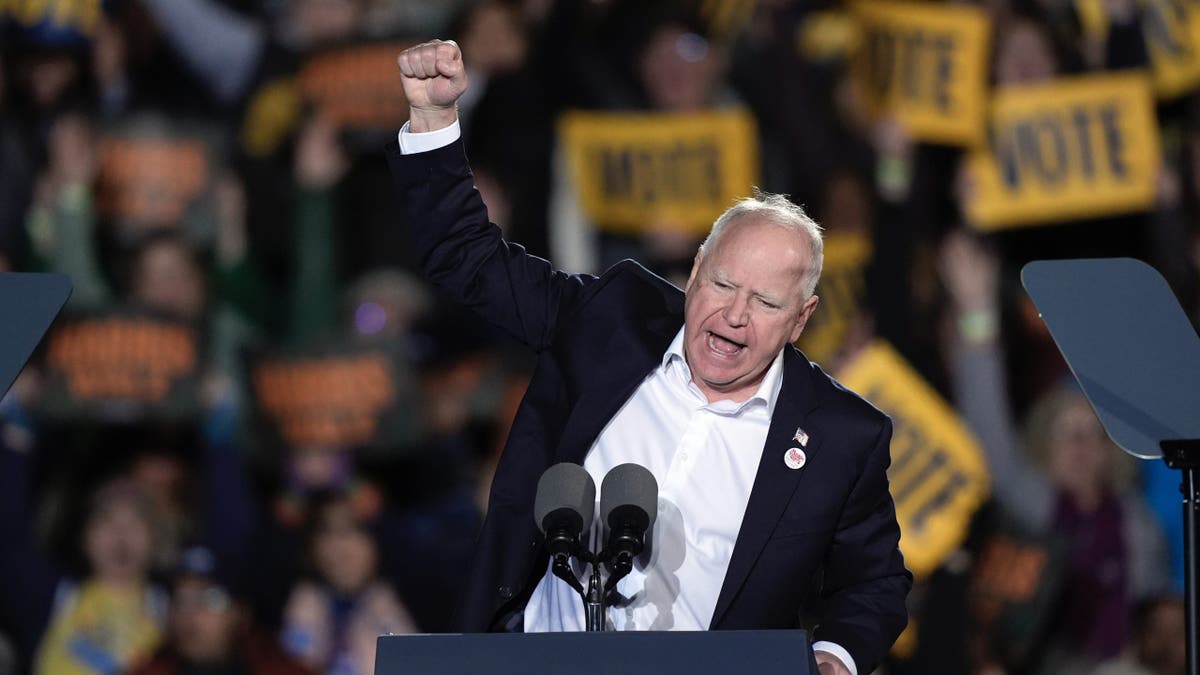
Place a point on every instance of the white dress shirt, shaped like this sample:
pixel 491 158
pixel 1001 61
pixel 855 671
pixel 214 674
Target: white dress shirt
pixel 703 455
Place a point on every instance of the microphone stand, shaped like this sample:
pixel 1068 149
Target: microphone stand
pixel 617 557
pixel 593 601
pixel 593 598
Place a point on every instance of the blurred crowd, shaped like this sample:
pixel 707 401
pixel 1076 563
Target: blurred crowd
pixel 212 171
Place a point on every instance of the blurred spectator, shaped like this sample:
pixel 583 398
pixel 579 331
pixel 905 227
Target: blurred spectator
pixel 1159 645
pixel 102 621
pixel 1024 53
pixel 62 221
pixel 167 276
pixel 209 631
pixel 1081 491
pixel 383 305
pixel 333 618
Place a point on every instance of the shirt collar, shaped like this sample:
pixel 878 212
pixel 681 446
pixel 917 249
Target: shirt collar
pixel 768 389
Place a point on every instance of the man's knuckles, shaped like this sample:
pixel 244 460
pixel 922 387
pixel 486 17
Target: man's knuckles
pixel 431 59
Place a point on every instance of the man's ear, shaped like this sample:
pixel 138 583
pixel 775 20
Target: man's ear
pixel 806 310
pixel 695 267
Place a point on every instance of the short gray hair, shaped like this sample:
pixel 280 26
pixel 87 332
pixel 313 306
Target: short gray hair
pixel 778 209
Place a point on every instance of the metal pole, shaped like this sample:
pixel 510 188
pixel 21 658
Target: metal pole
pixel 1191 506
pixel 593 602
pixel 1185 456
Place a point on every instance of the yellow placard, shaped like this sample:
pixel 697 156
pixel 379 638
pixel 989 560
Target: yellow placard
pixel 926 65
pixel 841 290
pixel 78 16
pixel 938 475
pixel 1172 32
pixel 1066 149
pixel 637 171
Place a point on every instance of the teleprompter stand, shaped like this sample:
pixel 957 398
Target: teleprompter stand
pixel 28 305
pixel 763 652
pixel 1137 358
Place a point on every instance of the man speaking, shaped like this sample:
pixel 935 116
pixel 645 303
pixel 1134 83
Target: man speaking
pixel 773 498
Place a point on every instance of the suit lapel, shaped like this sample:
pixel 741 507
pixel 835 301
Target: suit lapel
pixel 774 483
pixel 613 386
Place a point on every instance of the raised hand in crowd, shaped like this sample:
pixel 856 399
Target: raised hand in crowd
pixel 72 157
pixel 971 274
pixel 320 160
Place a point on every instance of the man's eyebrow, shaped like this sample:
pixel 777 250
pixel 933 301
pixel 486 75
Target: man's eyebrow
pixel 720 275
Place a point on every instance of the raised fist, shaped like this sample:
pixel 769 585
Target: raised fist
pixel 434 77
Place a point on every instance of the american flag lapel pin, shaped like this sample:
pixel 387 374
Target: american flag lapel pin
pixel 801 437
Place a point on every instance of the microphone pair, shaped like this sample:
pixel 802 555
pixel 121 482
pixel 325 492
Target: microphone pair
pixel 565 505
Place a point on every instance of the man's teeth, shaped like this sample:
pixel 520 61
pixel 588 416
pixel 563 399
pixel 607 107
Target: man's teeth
pixel 722 345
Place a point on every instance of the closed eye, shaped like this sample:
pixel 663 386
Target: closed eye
pixel 768 304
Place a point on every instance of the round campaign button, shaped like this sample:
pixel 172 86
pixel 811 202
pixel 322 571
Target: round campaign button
pixel 794 458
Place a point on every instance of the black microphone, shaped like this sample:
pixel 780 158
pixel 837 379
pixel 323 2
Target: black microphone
pixel 628 504
pixel 563 507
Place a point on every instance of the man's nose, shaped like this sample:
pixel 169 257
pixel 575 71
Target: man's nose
pixel 737 311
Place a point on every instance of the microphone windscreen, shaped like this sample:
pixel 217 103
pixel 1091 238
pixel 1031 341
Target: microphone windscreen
pixel 565 486
pixel 629 485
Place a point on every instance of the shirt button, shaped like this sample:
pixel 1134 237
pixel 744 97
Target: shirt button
pixel 505 592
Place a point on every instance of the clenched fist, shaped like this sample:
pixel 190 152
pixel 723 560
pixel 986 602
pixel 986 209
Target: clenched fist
pixel 434 78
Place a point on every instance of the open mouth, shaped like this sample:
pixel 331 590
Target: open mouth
pixel 723 345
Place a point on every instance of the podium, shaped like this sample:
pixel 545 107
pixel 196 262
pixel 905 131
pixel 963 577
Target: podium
pixel 28 305
pixel 763 652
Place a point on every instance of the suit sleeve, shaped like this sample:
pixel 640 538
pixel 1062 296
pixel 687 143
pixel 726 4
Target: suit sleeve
pixel 465 255
pixel 865 581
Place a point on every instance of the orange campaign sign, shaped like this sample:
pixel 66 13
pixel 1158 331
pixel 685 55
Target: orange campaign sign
pixel 357 86
pixel 122 358
pixel 121 364
pixel 151 180
pixel 334 401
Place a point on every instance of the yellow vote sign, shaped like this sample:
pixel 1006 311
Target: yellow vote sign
pixel 634 171
pixel 1066 149
pixel 938 474
pixel 841 290
pixel 1172 32
pixel 925 64
pixel 80 16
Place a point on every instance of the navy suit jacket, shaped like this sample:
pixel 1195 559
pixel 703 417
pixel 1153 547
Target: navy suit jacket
pixel 819 541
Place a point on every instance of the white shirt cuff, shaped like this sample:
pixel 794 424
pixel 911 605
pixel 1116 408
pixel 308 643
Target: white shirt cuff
pixel 412 143
pixel 836 650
